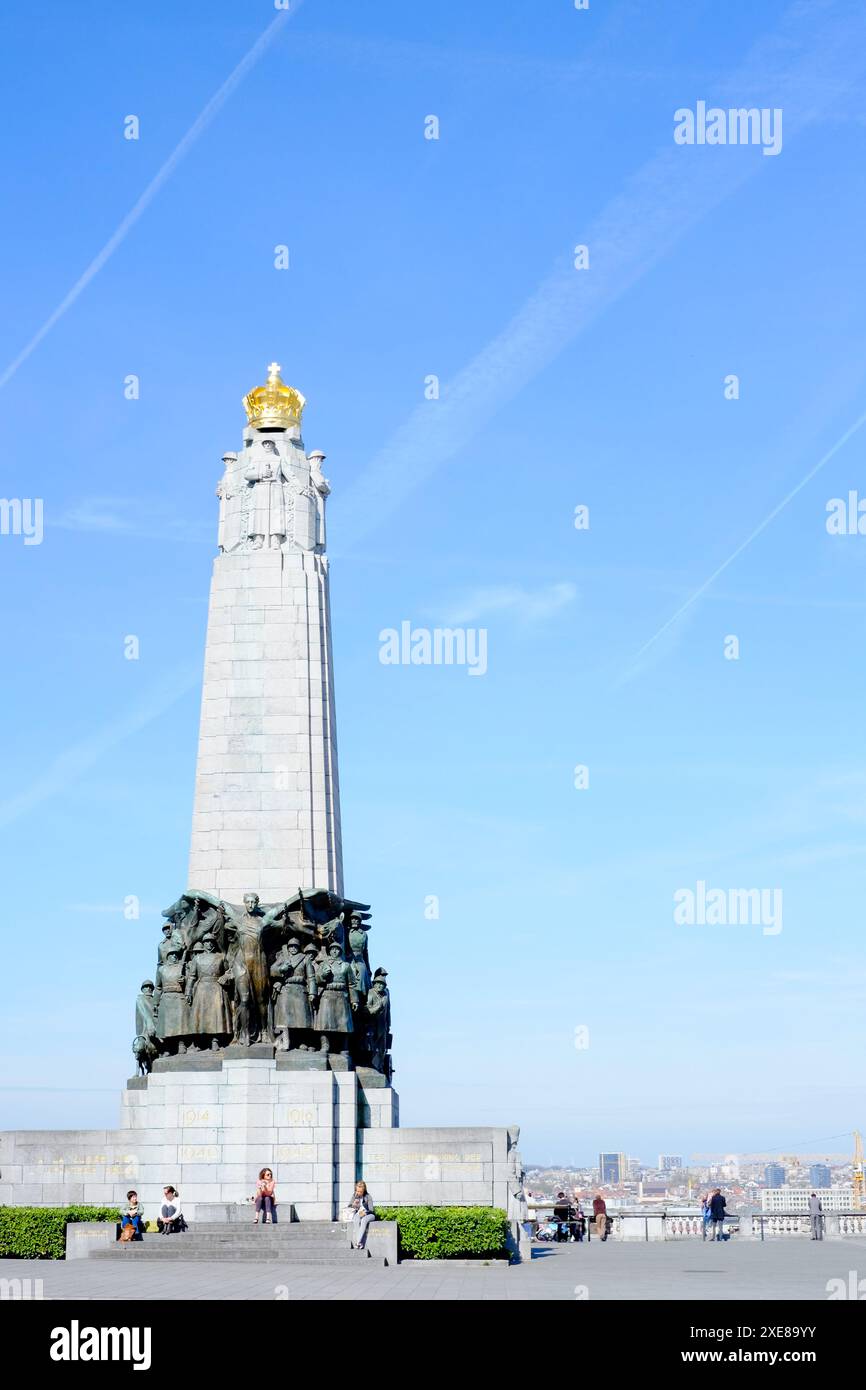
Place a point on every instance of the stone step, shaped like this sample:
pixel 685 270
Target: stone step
pixel 293 1242
pixel 171 1252
pixel 322 1228
pixel 285 1248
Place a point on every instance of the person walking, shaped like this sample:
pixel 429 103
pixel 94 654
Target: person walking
pixel 599 1215
pixel 362 1212
pixel 266 1198
pixel 816 1216
pixel 717 1214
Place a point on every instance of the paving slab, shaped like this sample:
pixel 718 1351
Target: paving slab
pixel 781 1269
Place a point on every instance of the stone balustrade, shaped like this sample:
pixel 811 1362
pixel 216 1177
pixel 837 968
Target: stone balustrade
pixel 660 1224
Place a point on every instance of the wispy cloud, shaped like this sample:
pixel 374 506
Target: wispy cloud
pixel 667 197
pixel 81 756
pixel 106 909
pixel 199 125
pixel 677 617
pixel 526 606
pixel 132 516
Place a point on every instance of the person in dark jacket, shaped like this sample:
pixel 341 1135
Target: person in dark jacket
pixel 717 1214
pixel 816 1216
pixel 564 1215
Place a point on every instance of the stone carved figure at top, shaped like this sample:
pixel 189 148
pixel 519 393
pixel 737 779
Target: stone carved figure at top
pixel 231 491
pixel 272 496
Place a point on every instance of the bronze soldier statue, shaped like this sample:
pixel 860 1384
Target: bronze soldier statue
pixel 337 1002
pixel 145 1047
pixel 207 994
pixel 294 995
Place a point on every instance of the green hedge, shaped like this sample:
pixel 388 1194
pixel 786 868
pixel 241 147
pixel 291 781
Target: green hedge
pixel 39 1233
pixel 443 1233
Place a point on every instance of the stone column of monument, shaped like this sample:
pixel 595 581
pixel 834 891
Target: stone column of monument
pixel 266 817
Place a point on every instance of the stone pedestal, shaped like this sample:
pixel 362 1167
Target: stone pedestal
pixel 210 1133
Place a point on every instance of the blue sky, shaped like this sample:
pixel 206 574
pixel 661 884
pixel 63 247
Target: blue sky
pixel 604 387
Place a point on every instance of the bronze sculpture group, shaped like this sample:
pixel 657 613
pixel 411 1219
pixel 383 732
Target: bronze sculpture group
pixel 294 975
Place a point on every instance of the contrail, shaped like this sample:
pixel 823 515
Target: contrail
pixel 762 526
pixel 82 755
pixel 806 67
pixel 199 125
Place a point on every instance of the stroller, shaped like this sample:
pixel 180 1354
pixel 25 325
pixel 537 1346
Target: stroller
pixel 562 1226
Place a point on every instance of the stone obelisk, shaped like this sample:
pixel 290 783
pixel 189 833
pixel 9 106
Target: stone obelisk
pixel 266 817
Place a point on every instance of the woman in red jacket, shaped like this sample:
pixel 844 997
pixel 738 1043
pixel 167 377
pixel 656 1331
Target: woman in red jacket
pixel 599 1212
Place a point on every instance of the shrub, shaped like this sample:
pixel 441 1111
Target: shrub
pixel 39 1233
pixel 443 1233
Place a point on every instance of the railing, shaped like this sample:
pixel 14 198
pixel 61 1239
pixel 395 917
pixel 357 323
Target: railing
pixel 653 1224
pixel 835 1225
pixel 659 1224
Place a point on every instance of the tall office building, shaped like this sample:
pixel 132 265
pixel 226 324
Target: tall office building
pixel 774 1175
pixel 612 1168
pixel 819 1175
pixel 669 1163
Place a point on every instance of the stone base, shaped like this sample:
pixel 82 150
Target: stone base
pixel 188 1062
pixel 246 1052
pixel 337 1062
pixel 209 1133
pixel 302 1061
pixel 370 1080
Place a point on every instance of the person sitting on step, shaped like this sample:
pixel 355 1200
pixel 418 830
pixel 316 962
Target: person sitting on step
pixel 266 1197
pixel 170 1219
pixel 362 1213
pixel 133 1216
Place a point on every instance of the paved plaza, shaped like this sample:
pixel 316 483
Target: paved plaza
pixel 674 1270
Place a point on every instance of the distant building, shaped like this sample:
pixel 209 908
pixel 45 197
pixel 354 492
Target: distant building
pixel 775 1199
pixel 774 1175
pixel 612 1168
pixel 819 1175
pixel 668 1163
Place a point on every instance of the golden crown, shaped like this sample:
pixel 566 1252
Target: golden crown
pixel 274 405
